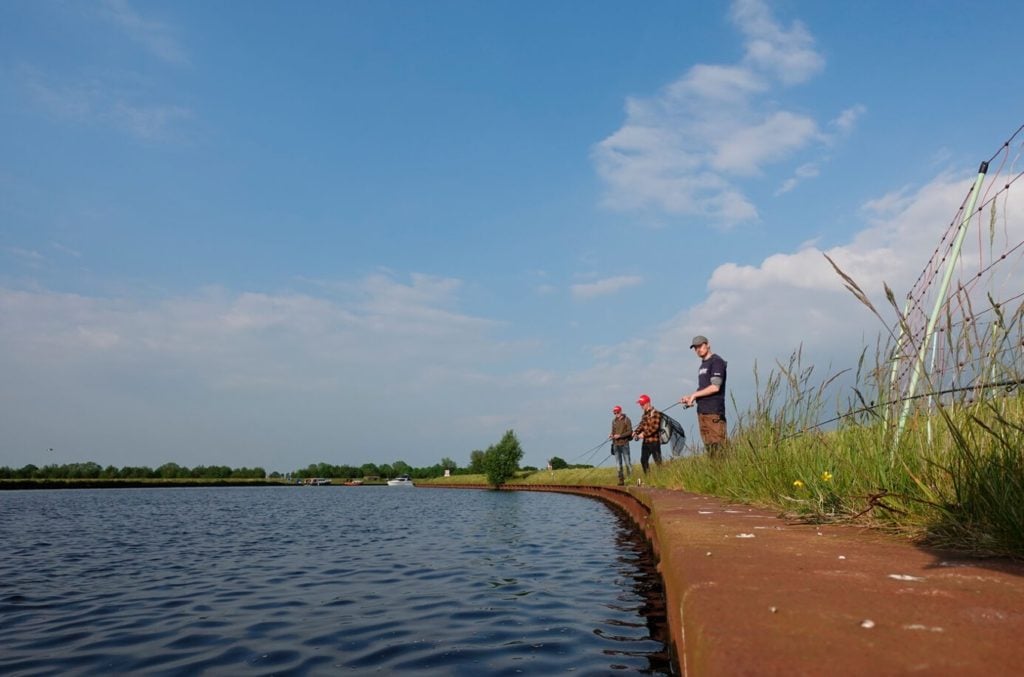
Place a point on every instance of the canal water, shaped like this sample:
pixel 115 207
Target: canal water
pixel 324 580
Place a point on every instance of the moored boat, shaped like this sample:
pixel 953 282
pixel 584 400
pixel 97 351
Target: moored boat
pixel 401 481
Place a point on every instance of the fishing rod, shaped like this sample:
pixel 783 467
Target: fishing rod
pixel 1010 385
pixel 593 450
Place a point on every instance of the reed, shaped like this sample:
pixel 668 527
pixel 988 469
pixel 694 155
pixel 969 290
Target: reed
pixel 954 476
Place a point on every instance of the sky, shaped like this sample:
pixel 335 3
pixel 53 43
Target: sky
pixel 274 234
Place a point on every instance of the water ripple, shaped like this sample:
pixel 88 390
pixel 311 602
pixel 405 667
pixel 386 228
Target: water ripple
pixel 297 581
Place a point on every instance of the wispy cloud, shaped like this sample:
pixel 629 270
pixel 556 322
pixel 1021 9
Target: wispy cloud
pixel 803 172
pixel 64 249
pixel 605 287
pixel 847 120
pixel 29 256
pixel 686 150
pixel 155 36
pixel 95 102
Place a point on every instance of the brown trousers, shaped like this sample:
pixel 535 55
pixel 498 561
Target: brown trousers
pixel 713 432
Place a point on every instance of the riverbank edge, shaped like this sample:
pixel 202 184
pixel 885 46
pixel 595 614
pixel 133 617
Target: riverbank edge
pixel 749 593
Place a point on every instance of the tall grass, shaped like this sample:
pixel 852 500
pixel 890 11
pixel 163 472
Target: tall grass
pixel 953 477
pixel 960 486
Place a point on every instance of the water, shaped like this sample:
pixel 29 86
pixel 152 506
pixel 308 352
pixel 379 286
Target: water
pixel 323 580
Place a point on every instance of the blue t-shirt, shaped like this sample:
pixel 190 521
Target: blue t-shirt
pixel 711 368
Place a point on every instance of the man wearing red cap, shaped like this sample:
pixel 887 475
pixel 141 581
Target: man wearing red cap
pixel 622 430
pixel 649 431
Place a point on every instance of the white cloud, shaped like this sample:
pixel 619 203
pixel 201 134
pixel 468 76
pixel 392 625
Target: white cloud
pixel 605 287
pixel 806 171
pixel 847 120
pixel 787 53
pixel 686 150
pixel 182 377
pixel 765 311
pixel 770 140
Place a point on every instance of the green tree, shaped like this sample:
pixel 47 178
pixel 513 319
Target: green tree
pixel 170 471
pixel 476 462
pixel 89 469
pixel 502 459
pixel 557 463
pixel 449 464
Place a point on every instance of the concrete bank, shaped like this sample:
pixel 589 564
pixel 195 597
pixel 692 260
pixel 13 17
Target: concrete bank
pixel 751 594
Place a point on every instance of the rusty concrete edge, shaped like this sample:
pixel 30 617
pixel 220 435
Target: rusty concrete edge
pixel 634 503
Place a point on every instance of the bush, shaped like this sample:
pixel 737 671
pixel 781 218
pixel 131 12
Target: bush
pixel 501 461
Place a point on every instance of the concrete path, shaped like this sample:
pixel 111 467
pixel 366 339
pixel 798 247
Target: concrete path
pixel 750 594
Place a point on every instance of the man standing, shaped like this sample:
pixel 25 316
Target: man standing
pixel 622 430
pixel 649 431
pixel 710 398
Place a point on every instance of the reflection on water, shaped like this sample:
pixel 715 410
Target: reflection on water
pixel 316 580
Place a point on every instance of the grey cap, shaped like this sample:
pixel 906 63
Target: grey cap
pixel 699 340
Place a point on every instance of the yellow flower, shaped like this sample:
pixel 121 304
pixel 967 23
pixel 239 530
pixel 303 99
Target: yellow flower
pixel 798 484
pixel 826 476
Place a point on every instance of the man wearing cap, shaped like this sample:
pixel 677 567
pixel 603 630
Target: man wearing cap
pixel 649 431
pixel 622 430
pixel 710 397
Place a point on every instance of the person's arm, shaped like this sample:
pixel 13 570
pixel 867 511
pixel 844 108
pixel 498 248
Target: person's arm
pixel 711 389
pixel 641 430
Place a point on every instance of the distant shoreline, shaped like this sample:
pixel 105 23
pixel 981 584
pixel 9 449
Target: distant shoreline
pixel 137 484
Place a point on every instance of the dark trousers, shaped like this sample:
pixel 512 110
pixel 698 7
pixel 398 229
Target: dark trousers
pixel 648 450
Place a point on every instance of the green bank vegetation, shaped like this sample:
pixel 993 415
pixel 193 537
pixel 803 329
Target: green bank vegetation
pixel 954 478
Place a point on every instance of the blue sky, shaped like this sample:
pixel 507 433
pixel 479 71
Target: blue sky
pixel 282 233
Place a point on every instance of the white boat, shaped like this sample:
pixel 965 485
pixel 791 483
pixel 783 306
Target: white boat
pixel 401 481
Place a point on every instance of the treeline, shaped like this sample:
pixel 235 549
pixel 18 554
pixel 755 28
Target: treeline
pixel 384 470
pixel 498 462
pixel 167 471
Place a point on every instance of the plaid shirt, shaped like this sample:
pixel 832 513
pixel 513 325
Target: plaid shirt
pixel 650 424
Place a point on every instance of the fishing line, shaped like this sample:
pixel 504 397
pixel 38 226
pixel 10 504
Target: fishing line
pixel 1009 385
